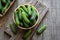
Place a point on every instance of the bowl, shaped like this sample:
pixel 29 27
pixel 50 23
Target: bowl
pixel 28 27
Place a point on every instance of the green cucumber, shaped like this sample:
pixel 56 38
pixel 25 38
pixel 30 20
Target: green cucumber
pixel 33 15
pixel 25 18
pixel 34 21
pixel 1 7
pixel 4 1
pixel 24 8
pixel 36 13
pixel 12 26
pixel 41 29
pixel 16 18
pixel 8 1
pixel 19 14
pixel 25 24
pixel 6 6
pixel 29 10
pixel 26 34
pixel 21 24
pixel 23 11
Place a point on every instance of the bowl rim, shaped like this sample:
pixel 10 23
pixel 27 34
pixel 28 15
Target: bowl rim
pixel 28 27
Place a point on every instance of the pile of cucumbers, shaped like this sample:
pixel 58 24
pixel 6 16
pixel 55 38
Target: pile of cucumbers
pixel 4 5
pixel 25 16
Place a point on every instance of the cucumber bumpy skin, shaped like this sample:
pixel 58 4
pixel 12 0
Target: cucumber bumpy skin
pixel 26 34
pixel 1 7
pixel 33 14
pixel 25 18
pixel 29 10
pixel 41 29
pixel 19 14
pixel 12 26
pixel 4 1
pixel 16 18
pixel 34 21
pixel 24 8
pixel 25 24
pixel 8 1
pixel 6 6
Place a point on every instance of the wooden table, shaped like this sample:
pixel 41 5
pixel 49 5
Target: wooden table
pixel 51 20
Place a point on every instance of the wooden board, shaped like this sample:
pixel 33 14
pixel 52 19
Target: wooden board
pixel 42 9
pixel 8 8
